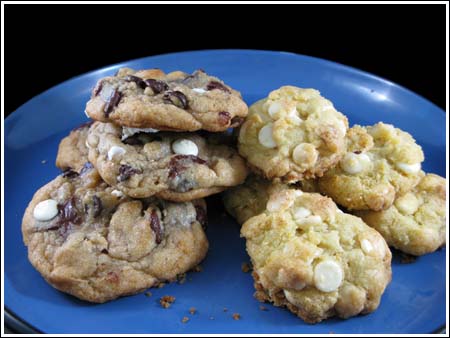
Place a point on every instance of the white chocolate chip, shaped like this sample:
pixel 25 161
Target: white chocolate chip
pixel 114 151
pixel 305 154
pixel 342 127
pixel 339 211
pixel 328 276
pixel 199 90
pixel 184 147
pixel 45 210
pixel 407 204
pixel 128 132
pixel 86 143
pixel 300 213
pixel 409 168
pixel 281 200
pixel 265 137
pixel 366 246
pixel 354 163
pixel 117 193
pixel 274 108
pixel 312 220
pixel 289 296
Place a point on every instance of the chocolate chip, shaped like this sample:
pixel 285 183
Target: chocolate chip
pixel 68 213
pixel 69 173
pixel 178 163
pixel 84 125
pixel 201 216
pixel 133 140
pixel 98 88
pixel 126 171
pixel 357 152
pixel 224 117
pixel 217 85
pixel 104 251
pixel 176 98
pixel 156 86
pixel 86 167
pixel 97 206
pixel 111 97
pixel 236 121
pixel 156 226
pixel 136 79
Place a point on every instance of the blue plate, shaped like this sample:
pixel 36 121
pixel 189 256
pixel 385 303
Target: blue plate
pixel 413 303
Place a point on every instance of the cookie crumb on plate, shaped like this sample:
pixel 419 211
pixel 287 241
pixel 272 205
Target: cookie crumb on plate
pixel 192 310
pixel 185 319
pixel 236 316
pixel 166 301
pixel 246 267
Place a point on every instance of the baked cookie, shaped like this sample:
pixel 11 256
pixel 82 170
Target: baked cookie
pixel 72 151
pixel 315 260
pixel 173 166
pixel 89 240
pixel 415 223
pixel 176 101
pixel 381 162
pixel 294 134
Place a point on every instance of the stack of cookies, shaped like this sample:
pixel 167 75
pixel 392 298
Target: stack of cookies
pixel 127 211
pixel 308 255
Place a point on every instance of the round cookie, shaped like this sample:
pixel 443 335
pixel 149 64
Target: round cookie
pixel 173 166
pixel 250 198
pixel 415 223
pixel 293 134
pixel 381 163
pixel 176 101
pixel 314 259
pixel 72 150
pixel 89 240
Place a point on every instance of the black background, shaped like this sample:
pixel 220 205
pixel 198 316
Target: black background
pixel 47 44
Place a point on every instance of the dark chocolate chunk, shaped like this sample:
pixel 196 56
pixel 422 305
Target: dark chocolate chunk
pixel 357 152
pixel 224 117
pixel 202 218
pixel 156 86
pixel 140 82
pixel 69 173
pixel 217 85
pixel 176 98
pixel 236 121
pixel 178 163
pixel 68 213
pixel 98 88
pixel 111 96
pixel 126 171
pixel 104 251
pixel 155 224
pixel 97 205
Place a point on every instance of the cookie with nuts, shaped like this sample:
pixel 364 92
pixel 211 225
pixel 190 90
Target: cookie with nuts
pixel 173 166
pixel 89 240
pixel 293 134
pixel 315 260
pixel 381 162
pixel 415 223
pixel 176 101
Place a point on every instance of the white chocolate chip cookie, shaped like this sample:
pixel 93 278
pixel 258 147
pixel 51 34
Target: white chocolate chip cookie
pixel 415 223
pixel 315 260
pixel 293 134
pixel 381 163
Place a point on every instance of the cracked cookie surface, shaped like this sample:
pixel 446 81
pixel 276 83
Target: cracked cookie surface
pixel 173 166
pixel 415 223
pixel 315 260
pixel 381 162
pixel 89 240
pixel 293 134
pixel 176 101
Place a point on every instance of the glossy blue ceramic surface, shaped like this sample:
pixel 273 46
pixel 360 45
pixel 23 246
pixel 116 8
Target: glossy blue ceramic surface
pixel 413 303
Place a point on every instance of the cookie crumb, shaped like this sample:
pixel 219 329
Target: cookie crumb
pixel 185 320
pixel 407 259
pixel 197 268
pixel 44 161
pixel 236 316
pixel 225 309
pixel 192 310
pixel 263 308
pixel 148 294
pixel 161 285
pixel 181 278
pixel 246 267
pixel 166 301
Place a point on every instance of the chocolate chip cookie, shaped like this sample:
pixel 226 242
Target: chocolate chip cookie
pixel 415 223
pixel 314 259
pixel 293 134
pixel 72 151
pixel 381 162
pixel 89 240
pixel 173 166
pixel 176 101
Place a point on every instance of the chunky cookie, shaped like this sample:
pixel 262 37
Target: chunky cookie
pixel 89 240
pixel 415 223
pixel 294 134
pixel 72 151
pixel 315 260
pixel 250 199
pixel 173 166
pixel 176 101
pixel 381 162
